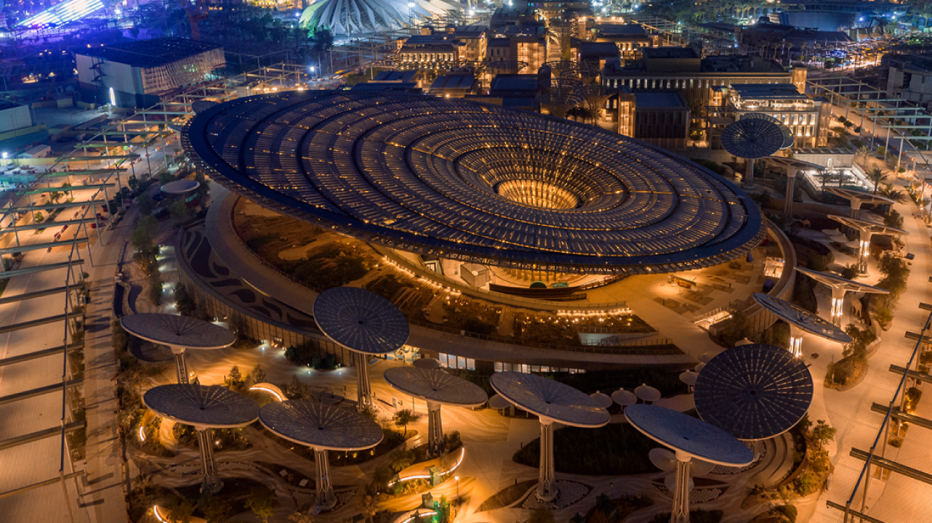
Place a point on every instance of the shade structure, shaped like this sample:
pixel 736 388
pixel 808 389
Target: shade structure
pixel 705 357
pixel 356 17
pixel 482 184
pixel 689 438
pixel 498 403
pixel 752 138
pixel 437 388
pixel 624 397
pixel 788 138
pixel 840 287
pixel 179 333
pixel 179 187
pixel 742 341
pixel 754 392
pixel 321 427
pixel 205 408
pixel 800 320
pixel 866 230
pixel 647 393
pixel 602 399
pixel 363 322
pixel 689 377
pixel 551 401
pixel 858 198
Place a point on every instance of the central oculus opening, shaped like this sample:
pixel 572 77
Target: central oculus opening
pixel 536 193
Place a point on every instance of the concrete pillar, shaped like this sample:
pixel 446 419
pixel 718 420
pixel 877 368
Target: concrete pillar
pixel 434 430
pixel 796 341
pixel 749 176
pixel 790 184
pixel 864 251
pixel 680 513
pixel 546 488
pixel 364 391
pixel 211 483
pixel 855 208
pixel 326 499
pixel 838 304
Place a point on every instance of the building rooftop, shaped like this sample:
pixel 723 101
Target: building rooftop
pixel 149 53
pixel 396 76
pixel 601 49
pixel 619 29
pixel 5 104
pixel 454 81
pixel 768 92
pixel 657 100
pixel 514 83
pixel 607 203
pixel 498 42
pixel 669 52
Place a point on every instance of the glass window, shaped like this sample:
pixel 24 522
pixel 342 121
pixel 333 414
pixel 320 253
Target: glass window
pixel 470 364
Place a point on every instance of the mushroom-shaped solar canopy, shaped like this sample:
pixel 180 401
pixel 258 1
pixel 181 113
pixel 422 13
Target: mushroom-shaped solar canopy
pixel 551 401
pixel 360 320
pixel 788 138
pixel 689 377
pixel 752 138
pixel 202 406
pixel 840 287
pixel 363 322
pixel 754 392
pixel 437 388
pixel 205 408
pixel 180 187
pixel 869 227
pixel 179 333
pixel 689 438
pixel 498 403
pixel 200 106
pixel 800 320
pixel 322 427
pixel 602 399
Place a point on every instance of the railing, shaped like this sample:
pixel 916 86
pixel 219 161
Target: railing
pixel 881 438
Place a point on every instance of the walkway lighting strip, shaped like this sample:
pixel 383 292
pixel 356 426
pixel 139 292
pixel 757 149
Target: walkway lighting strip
pixel 427 476
pixel 270 391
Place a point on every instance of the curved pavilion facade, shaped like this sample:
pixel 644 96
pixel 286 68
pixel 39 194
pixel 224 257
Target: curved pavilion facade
pixel 474 183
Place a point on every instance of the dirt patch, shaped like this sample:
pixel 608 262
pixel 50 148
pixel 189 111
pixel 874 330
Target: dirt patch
pixel 507 496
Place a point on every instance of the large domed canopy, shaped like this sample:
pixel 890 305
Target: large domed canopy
pixel 345 17
pixel 474 182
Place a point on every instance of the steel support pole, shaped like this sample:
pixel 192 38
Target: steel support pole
pixel 326 499
pixel 680 513
pixel 364 390
pixel 434 430
pixel 546 488
pixel 212 483
pixel 790 184
pixel 181 366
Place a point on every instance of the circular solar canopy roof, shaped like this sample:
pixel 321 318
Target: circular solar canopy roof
pixel 473 182
pixel 689 435
pixel 861 196
pixel 871 227
pixel 436 385
pixel 177 331
pixel 326 427
pixel 801 318
pixel 180 186
pixel 549 399
pixel 213 407
pixel 788 138
pixel 199 106
pixel 754 391
pixel 360 320
pixel 752 138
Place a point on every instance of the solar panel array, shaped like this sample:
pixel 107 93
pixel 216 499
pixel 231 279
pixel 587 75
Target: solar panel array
pixel 439 176
pixel 754 392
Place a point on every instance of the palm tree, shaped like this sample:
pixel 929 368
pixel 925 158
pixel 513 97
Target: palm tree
pixel 863 152
pixel 896 195
pixel 876 176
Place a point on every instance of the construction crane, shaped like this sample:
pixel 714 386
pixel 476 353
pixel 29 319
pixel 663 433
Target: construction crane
pixel 195 13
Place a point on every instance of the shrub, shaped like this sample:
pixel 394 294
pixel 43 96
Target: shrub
pixel 883 316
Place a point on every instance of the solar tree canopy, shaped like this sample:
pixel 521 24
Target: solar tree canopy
pixel 180 186
pixel 550 399
pixel 754 392
pixel 435 385
pixel 324 427
pixel 177 331
pixel 688 435
pixel 835 281
pixel 475 183
pixel 360 320
pixel 801 318
pixel 199 106
pixel 213 407
pixel 788 138
pixel 861 196
pixel 752 138
pixel 871 227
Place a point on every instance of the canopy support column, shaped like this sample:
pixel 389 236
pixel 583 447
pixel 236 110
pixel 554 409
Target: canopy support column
pixel 212 483
pixel 326 499
pixel 364 390
pixel 680 513
pixel 434 430
pixel 546 488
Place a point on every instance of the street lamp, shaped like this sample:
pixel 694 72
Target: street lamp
pixel 457 478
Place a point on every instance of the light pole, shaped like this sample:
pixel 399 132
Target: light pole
pixel 457 478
